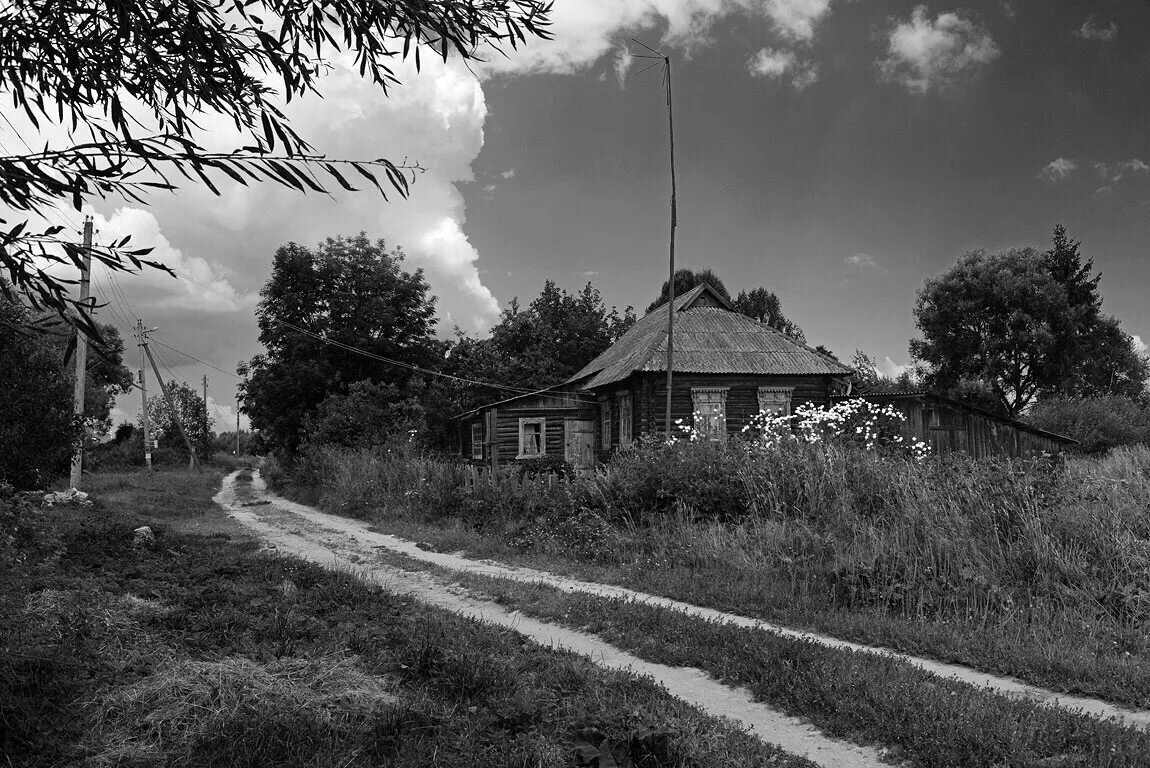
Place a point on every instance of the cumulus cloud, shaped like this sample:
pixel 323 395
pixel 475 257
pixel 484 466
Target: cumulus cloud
pixel 862 261
pixel 585 31
pixel 890 369
pixel 622 64
pixel 776 64
pixel 1058 169
pixel 797 19
pixel 925 54
pixel 1115 172
pixel 1090 30
pixel 200 285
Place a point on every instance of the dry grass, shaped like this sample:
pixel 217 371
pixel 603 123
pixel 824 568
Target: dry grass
pixel 238 711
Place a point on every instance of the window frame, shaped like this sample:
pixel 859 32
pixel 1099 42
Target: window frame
pixel 542 422
pixel 625 405
pixel 477 428
pixel 719 434
pixel 605 424
pixel 773 394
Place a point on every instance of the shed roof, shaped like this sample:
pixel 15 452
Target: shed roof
pixel 708 339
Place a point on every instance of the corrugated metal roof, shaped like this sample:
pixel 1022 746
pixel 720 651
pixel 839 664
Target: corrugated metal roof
pixel 707 340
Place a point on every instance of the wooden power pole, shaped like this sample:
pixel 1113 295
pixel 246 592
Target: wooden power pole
pixel 205 409
pixel 237 424
pixel 671 278
pixel 82 354
pixel 665 61
pixel 192 462
pixel 141 335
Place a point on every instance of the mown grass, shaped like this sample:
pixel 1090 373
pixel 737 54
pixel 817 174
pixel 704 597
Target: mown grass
pixel 923 719
pixel 1035 569
pixel 206 650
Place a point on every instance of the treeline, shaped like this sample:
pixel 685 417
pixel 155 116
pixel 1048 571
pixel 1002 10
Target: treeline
pixel 353 357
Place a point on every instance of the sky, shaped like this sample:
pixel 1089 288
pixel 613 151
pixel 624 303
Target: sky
pixel 838 152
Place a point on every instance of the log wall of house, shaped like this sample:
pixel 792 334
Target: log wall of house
pixel 507 427
pixel 742 396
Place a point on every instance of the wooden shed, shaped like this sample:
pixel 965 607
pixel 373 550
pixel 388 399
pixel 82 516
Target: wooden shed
pixel 728 367
pixel 948 425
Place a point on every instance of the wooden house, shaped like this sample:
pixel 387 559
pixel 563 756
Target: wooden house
pixel 727 368
pixel 948 425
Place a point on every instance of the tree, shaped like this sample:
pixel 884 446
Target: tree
pixel 369 415
pixel 106 375
pixel 131 78
pixel 1008 329
pixel 38 432
pixel 685 280
pixel 991 320
pixel 340 313
pixel 540 345
pixel 190 410
pixel 1091 356
pixel 758 304
pixel 764 306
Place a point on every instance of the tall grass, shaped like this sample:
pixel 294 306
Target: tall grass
pixel 1052 549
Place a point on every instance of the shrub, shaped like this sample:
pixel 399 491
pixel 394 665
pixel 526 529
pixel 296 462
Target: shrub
pixel 548 464
pixel 1097 423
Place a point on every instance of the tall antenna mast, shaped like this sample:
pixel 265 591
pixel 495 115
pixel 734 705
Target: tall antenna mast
pixel 665 61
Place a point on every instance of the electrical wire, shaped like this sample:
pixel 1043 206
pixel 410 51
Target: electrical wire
pixel 381 358
pixel 198 360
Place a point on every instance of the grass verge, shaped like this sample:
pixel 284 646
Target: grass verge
pixel 204 649
pixel 925 720
pixel 1033 569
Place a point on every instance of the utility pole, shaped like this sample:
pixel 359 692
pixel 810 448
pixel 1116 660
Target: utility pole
pixel 671 278
pixel 237 424
pixel 172 407
pixel 205 409
pixel 141 335
pixel 665 61
pixel 82 354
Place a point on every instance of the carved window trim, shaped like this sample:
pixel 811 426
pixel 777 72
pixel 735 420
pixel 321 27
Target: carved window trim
pixel 775 400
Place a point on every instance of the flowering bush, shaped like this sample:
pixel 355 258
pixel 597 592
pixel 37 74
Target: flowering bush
pixel 858 421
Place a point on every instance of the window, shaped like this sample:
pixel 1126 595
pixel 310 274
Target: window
pixel 605 424
pixel 624 400
pixel 775 400
pixel 532 437
pixel 477 441
pixel 710 412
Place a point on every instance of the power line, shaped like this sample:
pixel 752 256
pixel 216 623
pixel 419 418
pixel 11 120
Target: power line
pixel 198 360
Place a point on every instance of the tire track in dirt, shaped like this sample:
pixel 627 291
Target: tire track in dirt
pixel 293 530
pixel 356 530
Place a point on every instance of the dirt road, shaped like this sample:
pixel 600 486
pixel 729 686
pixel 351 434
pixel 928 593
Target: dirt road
pixel 298 530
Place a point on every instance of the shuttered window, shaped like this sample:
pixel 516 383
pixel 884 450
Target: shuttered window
pixel 710 412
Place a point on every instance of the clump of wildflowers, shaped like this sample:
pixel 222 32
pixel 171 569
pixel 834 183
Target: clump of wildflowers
pixel 690 432
pixel 856 421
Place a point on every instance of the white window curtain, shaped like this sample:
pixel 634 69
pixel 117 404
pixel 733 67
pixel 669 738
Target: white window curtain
pixel 532 437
